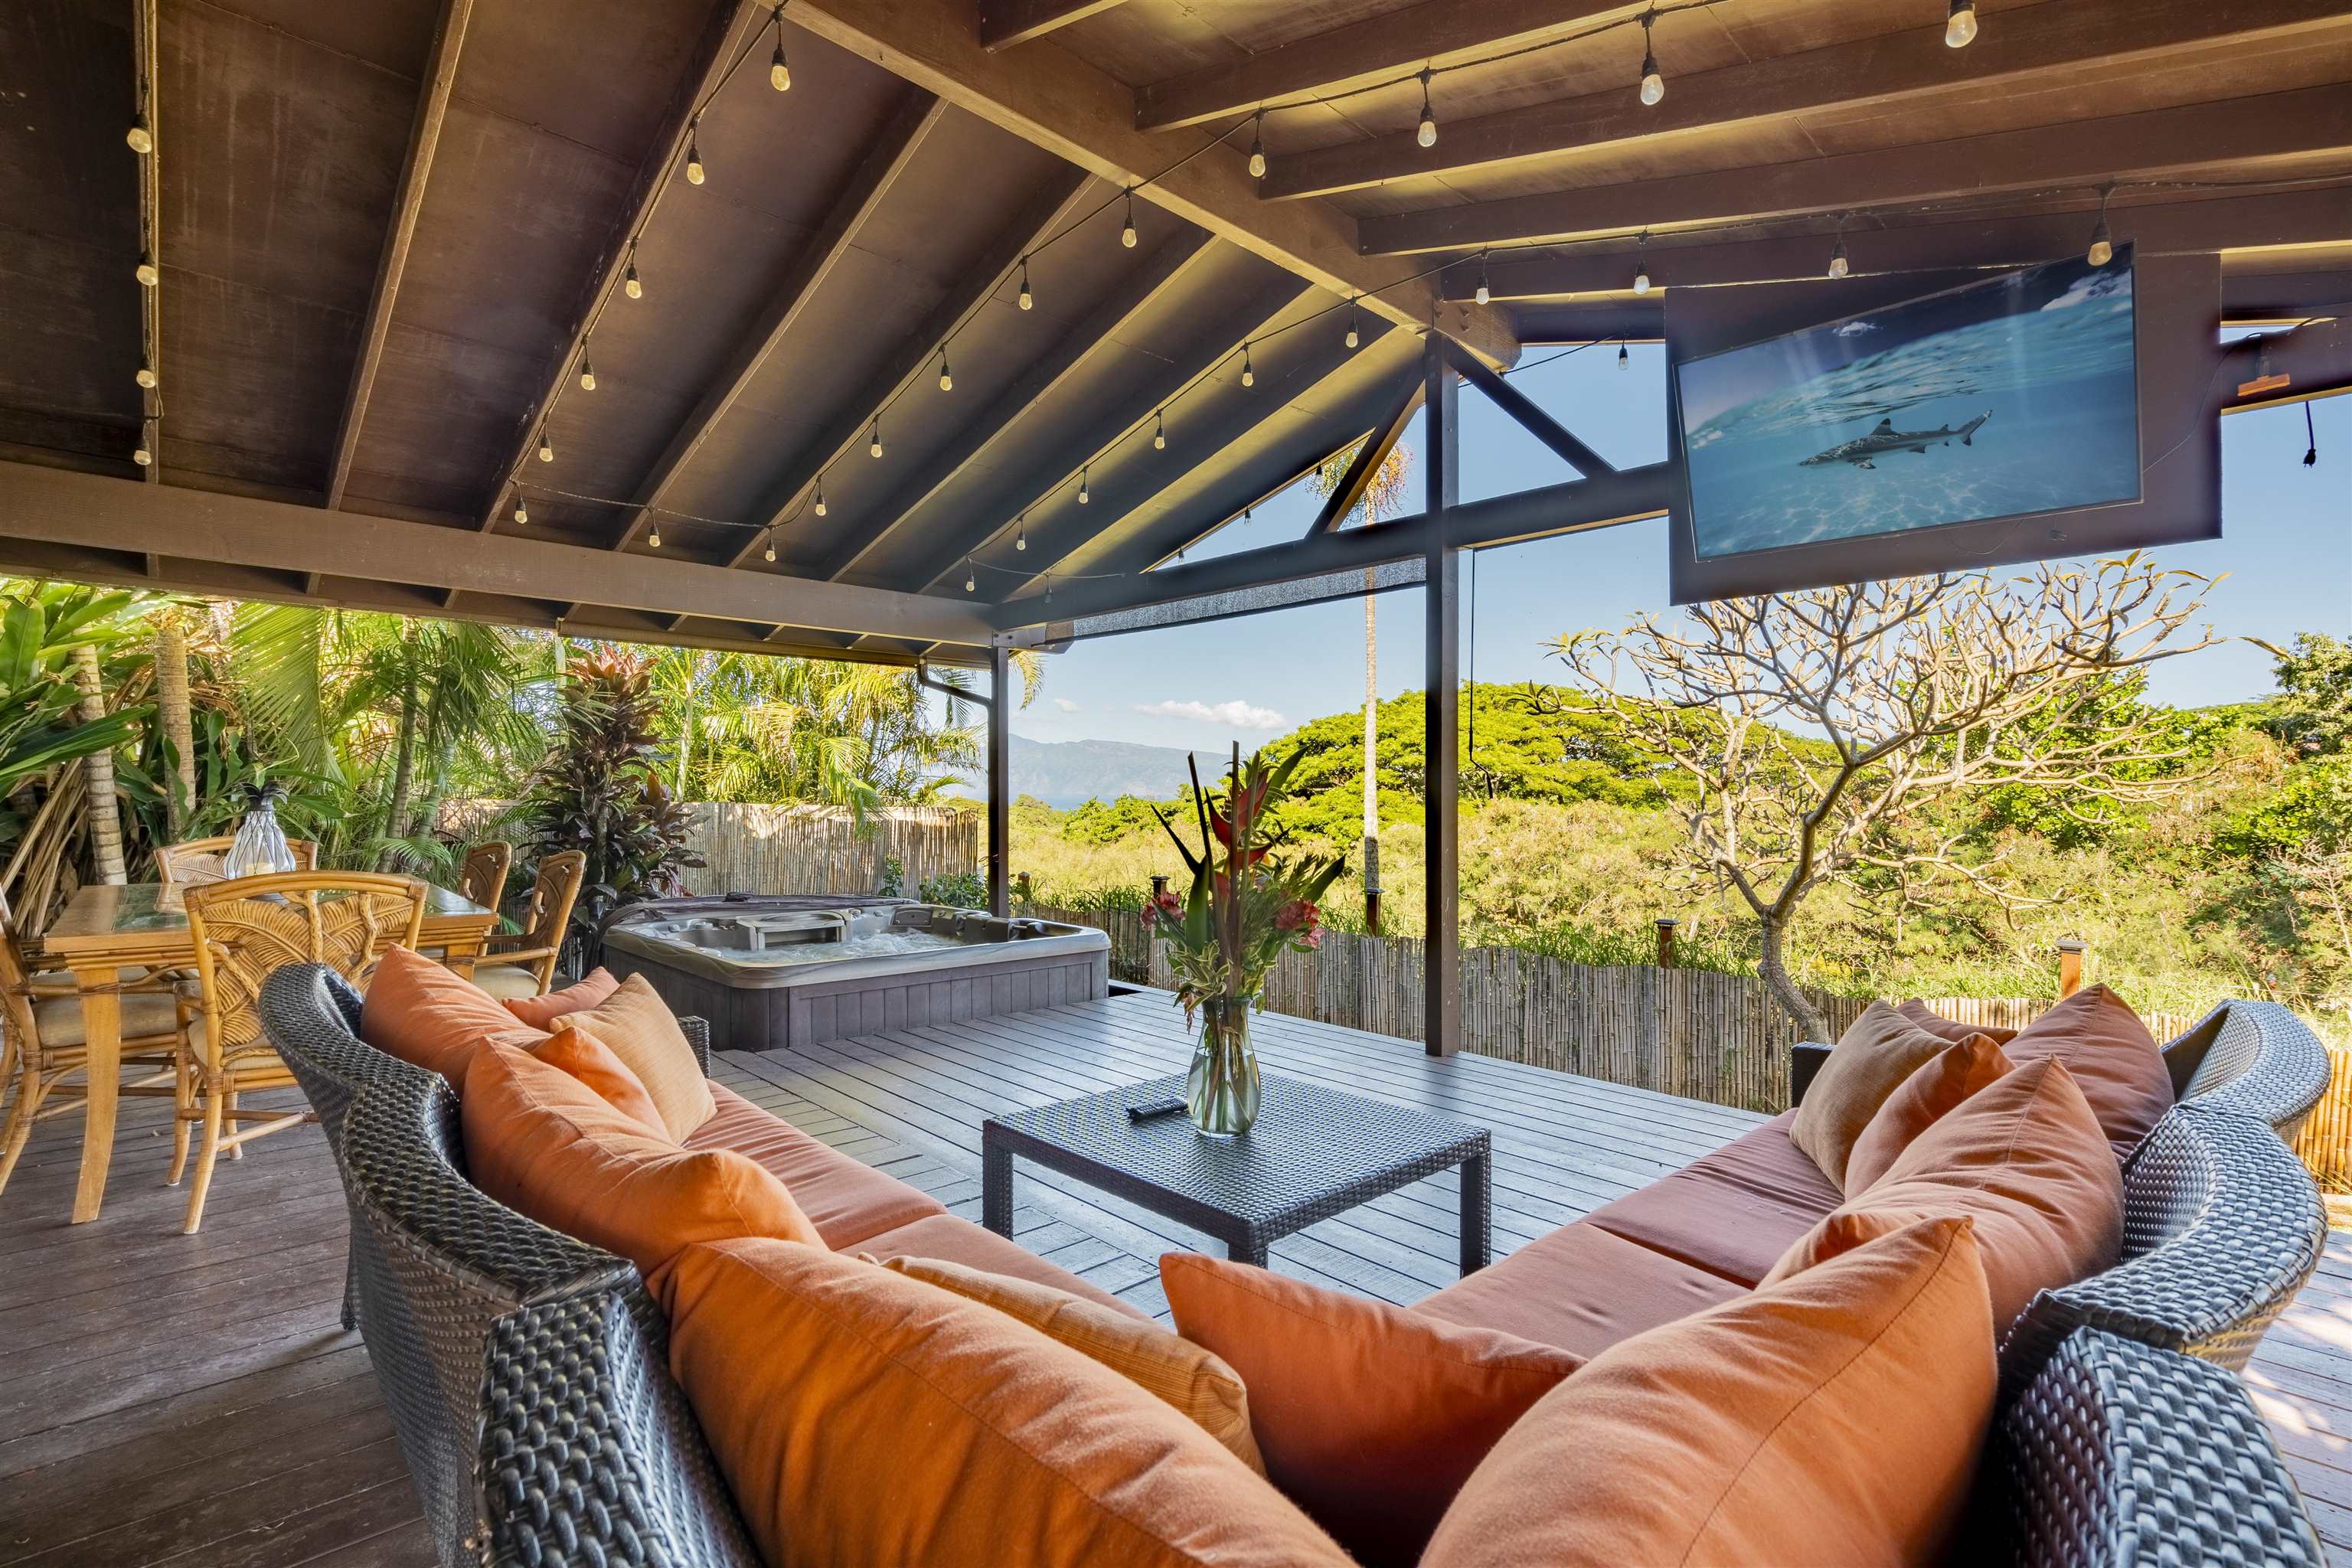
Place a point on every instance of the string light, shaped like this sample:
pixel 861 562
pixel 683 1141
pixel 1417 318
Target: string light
pixel 147 272
pixel 1485 295
pixel 1653 85
pixel 1020 532
pixel 947 376
pixel 1085 474
pixel 820 496
pixel 653 536
pixel 1838 264
pixel 1127 229
pixel 140 140
pixel 1354 337
pixel 1426 132
pixel 1249 374
pixel 1026 301
pixel 768 555
pixel 1257 147
pixel 1642 265
pixel 779 73
pixel 587 371
pixel 1960 28
pixel 1623 359
pixel 2103 244
pixel 694 150
pixel 629 284
pixel 1160 431
pixel 546 448
pixel 140 454
pixel 145 375
pixel 971 584
pixel 874 443
pixel 521 512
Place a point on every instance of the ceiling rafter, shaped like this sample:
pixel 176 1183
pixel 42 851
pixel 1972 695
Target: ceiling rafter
pixel 1865 71
pixel 1356 482
pixel 1531 418
pixel 1136 293
pixel 1004 23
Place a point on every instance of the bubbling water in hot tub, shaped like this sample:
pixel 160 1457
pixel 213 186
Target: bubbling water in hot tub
pixel 824 936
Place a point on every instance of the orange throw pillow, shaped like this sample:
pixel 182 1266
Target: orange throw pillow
pixel 1869 1062
pixel 548 1146
pixel 431 1017
pixel 1832 1420
pixel 642 1031
pixel 1370 1416
pixel 2025 1159
pixel 591 1061
pixel 2111 1055
pixel 864 1418
pixel 1945 1028
pixel 1925 1098
pixel 540 1012
pixel 1165 1366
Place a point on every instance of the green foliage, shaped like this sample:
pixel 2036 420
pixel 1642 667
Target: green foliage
pixel 894 877
pixel 40 628
pixel 2312 713
pixel 960 889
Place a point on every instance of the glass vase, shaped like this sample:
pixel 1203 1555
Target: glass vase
pixel 1221 1092
pixel 261 848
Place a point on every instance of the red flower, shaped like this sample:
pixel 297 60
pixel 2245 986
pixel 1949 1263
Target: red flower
pixel 1313 938
pixel 1165 907
pixel 1297 913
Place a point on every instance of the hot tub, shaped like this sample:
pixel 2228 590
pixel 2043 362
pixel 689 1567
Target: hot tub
pixel 787 971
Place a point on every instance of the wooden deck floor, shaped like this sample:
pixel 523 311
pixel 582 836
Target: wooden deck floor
pixel 194 1401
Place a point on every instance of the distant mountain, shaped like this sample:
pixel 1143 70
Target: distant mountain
pixel 1065 774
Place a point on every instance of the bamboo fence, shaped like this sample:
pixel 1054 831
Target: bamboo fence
pixel 820 849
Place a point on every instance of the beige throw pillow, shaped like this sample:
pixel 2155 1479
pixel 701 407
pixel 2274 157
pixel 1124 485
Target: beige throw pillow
pixel 1870 1062
pixel 638 1028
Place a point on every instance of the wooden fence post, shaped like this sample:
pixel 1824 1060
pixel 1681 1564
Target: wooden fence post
pixel 1666 942
pixel 2070 968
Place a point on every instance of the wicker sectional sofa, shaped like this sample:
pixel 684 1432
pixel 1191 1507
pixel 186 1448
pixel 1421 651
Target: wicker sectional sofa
pixel 526 1371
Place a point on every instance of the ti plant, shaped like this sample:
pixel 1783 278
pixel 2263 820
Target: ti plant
pixel 1245 906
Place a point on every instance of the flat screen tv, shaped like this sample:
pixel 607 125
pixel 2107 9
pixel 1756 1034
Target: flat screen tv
pixel 1872 445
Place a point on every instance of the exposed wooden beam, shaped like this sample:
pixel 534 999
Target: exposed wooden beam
pixel 1135 294
pixel 2276 128
pixel 886 158
pixel 62 507
pixel 710 66
pixel 1866 71
pixel 1441 726
pixel 1364 54
pixel 1530 417
pixel 1167 537
pixel 1136 409
pixel 917 354
pixel 2315 217
pixel 408 201
pixel 1004 23
pixel 1052 97
pixel 145 65
pixel 1348 493
pixel 2315 360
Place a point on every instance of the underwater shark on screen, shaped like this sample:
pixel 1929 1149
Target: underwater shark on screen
pixel 1886 439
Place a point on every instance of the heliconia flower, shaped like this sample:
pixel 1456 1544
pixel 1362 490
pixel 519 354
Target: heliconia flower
pixel 1314 938
pixel 1294 914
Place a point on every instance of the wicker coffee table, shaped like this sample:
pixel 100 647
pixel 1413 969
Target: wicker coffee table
pixel 1314 1152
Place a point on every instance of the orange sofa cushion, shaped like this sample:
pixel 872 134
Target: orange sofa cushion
pixel 431 1017
pixel 2111 1055
pixel 1945 1028
pixel 540 1012
pixel 1925 1098
pixel 1869 1063
pixel 591 1061
pixel 1168 1366
pixel 954 1239
pixel 643 1032
pixel 1732 1212
pixel 1580 1290
pixel 847 1201
pixel 1832 1420
pixel 2025 1159
pixel 864 1418
pixel 1370 1416
pixel 548 1146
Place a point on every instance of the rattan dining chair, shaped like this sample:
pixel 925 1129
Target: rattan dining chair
pixel 42 1036
pixel 242 930
pixel 483 880
pixel 524 965
pixel 195 861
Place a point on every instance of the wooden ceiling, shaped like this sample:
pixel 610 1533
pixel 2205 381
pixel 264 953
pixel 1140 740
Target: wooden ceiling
pixel 394 233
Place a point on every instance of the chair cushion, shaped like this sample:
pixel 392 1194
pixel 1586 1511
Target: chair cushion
pixel 1833 1420
pixel 861 1416
pixel 1732 1212
pixel 548 1146
pixel 540 1012
pixel 1870 1062
pixel 643 1032
pixel 60 1022
pixel 2025 1159
pixel 1945 1028
pixel 848 1202
pixel 428 1016
pixel 1166 1365
pixel 591 1061
pixel 2111 1056
pixel 1581 1289
pixel 953 1239
pixel 1370 1416
pixel 508 981
pixel 1925 1098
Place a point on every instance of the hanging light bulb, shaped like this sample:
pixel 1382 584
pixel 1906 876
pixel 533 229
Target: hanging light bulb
pixel 1839 266
pixel 1354 337
pixel 1485 295
pixel 694 151
pixel 1021 533
pixel 1641 265
pixel 140 454
pixel 1653 85
pixel 1249 374
pixel 820 498
pixel 1160 431
pixel 947 376
pixel 521 512
pixel 147 272
pixel 1960 28
pixel 145 375
pixel 653 536
pixel 970 583
pixel 1127 229
pixel 768 555
pixel 1027 301
pixel 1084 475
pixel 1427 133
pixel 2103 244
pixel 140 140
pixel 1257 147
pixel 546 448
pixel 1049 590
pixel 587 371
pixel 779 73
pixel 629 284
pixel 874 443
pixel 1623 359
pixel 1249 511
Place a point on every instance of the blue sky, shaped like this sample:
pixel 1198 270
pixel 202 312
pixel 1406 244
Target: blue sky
pixel 2286 550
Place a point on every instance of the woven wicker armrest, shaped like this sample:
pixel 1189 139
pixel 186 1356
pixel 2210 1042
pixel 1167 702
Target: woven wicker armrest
pixel 698 1034
pixel 2119 1455
pixel 2249 1058
pixel 2221 1227
pixel 1805 1062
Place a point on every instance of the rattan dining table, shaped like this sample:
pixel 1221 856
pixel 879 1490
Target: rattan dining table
pixel 104 929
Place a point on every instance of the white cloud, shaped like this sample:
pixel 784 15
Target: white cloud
pixel 1855 328
pixel 1065 705
pixel 2114 286
pixel 1238 714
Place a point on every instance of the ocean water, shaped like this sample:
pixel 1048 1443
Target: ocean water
pixel 2057 386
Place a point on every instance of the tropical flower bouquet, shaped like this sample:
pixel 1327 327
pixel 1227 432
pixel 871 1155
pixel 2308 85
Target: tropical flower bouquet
pixel 1245 908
